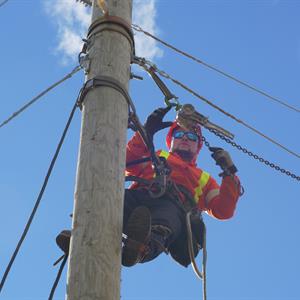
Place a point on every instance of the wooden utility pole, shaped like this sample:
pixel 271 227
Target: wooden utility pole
pixel 95 250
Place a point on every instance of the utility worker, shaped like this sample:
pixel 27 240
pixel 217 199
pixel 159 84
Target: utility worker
pixel 156 225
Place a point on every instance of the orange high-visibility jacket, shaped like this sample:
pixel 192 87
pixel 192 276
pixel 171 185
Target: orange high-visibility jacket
pixel 217 201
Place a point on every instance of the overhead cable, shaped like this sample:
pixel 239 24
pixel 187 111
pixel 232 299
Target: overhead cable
pixel 3 2
pixel 39 198
pixel 270 97
pixel 60 270
pixel 177 82
pixel 15 114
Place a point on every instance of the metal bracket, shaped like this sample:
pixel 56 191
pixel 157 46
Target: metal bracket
pixel 187 117
pixel 85 63
pixel 105 81
pixel 134 76
pixel 151 70
pixel 112 23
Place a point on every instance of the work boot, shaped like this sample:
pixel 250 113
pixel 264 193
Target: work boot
pixel 138 231
pixel 63 241
pixel 158 242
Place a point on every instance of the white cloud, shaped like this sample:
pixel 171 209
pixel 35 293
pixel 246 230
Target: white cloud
pixel 73 18
pixel 144 15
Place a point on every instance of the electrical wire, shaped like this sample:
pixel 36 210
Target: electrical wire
pixel 235 118
pixel 270 97
pixel 3 2
pixel 15 114
pixel 177 82
pixel 60 270
pixel 39 198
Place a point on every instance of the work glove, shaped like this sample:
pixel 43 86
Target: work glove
pixel 223 159
pixel 154 122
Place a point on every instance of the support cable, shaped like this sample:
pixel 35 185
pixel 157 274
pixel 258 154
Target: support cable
pixel 3 2
pixel 270 97
pixel 15 114
pixel 39 198
pixel 60 270
pixel 177 82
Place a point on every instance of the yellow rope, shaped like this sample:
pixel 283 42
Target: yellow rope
pixel 103 6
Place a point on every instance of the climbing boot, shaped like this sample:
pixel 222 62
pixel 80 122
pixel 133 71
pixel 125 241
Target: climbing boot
pixel 63 241
pixel 138 231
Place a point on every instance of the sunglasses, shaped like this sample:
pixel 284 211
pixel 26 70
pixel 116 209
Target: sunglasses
pixel 190 135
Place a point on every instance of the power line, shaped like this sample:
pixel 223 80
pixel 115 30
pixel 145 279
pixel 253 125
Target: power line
pixel 3 2
pixel 270 97
pixel 60 270
pixel 177 82
pixel 15 114
pixel 39 198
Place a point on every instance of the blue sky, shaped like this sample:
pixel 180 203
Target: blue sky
pixel 254 255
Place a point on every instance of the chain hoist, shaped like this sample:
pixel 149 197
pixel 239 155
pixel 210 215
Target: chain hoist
pixel 251 154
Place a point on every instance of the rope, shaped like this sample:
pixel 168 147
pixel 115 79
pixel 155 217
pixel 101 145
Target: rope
pixel 270 97
pixel 200 275
pixel 69 75
pixel 39 198
pixel 60 270
pixel 177 82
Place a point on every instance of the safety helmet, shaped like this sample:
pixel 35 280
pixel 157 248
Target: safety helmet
pixel 174 126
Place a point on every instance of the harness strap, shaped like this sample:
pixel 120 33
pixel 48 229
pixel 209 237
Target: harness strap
pixel 138 161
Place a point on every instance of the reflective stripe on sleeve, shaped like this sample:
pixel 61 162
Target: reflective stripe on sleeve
pixel 201 184
pixel 211 194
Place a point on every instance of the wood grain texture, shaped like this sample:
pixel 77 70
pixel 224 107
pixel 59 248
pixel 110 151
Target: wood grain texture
pixel 95 255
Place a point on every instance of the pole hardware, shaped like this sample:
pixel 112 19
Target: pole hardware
pixel 106 81
pixel 83 57
pixel 112 23
pixel 134 76
pixel 151 70
pixel 187 117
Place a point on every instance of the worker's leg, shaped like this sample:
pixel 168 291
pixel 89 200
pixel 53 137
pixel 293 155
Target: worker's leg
pixel 137 230
pixel 133 199
pixel 167 223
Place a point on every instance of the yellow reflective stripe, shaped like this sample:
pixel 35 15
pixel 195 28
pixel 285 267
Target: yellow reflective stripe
pixel 201 184
pixel 164 154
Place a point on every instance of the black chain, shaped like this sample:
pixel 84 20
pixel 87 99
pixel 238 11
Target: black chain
pixel 251 154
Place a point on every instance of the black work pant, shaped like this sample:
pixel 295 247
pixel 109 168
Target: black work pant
pixel 164 211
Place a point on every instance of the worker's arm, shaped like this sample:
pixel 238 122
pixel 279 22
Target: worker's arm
pixel 220 201
pixel 136 148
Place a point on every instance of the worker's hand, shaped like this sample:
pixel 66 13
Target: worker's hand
pixel 224 160
pixel 154 122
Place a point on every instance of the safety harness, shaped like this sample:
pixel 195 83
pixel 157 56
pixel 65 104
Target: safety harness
pixel 187 117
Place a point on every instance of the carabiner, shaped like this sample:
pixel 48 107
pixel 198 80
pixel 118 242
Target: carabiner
pixel 173 102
